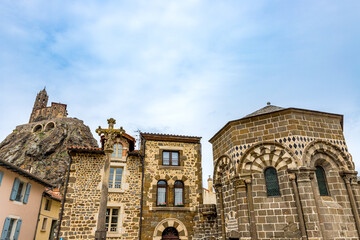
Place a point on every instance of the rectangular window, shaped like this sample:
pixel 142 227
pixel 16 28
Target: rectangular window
pixel 170 158
pixel 47 206
pixel 117 151
pixel 11 228
pixel 115 177
pixel 112 219
pixel 44 224
pixel 20 191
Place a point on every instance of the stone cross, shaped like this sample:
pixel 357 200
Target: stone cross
pixel 109 135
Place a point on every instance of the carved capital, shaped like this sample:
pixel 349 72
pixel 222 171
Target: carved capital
pixel 349 176
pixel 218 187
pixel 292 176
pixel 305 174
pixel 237 182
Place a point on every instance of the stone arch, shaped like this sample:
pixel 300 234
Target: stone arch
pixel 262 155
pixel 49 126
pixel 37 128
pixel 329 149
pixel 170 222
pixel 220 164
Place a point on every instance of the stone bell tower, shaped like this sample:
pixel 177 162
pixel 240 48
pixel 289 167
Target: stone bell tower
pixel 40 103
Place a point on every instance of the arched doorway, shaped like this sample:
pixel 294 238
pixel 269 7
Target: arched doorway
pixel 170 233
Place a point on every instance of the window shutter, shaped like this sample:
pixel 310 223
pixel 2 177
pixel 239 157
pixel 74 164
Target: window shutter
pixel 14 189
pixel 17 230
pixel 1 176
pixel 27 193
pixel 6 228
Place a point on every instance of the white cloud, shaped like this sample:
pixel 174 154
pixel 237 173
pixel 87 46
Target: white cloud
pixel 183 67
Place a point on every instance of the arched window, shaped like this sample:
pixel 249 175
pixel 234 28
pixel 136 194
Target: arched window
pixel 179 194
pixel 272 183
pixel 117 151
pixel 321 180
pixel 161 193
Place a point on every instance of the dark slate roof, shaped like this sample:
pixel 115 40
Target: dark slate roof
pixel 268 109
pixel 24 173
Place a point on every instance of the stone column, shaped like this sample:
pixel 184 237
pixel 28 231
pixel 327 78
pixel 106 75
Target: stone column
pixel 218 189
pixel 309 202
pixel 350 177
pixel 171 200
pixel 109 136
pixel 292 179
pixel 237 183
pixel 252 221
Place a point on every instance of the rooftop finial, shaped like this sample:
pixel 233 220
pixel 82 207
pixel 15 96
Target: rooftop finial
pixel 268 103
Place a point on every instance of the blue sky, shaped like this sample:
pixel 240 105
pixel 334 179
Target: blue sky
pixel 181 67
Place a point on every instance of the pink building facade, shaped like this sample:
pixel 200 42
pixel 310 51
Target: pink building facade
pixel 20 200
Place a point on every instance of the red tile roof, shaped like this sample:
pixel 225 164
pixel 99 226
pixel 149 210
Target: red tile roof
pixel 54 194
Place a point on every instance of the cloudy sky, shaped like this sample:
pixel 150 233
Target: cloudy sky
pixel 181 67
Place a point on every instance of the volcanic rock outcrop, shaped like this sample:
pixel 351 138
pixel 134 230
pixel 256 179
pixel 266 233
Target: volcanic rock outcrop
pixel 41 147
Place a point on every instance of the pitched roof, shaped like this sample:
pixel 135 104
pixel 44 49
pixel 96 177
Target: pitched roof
pixel 53 194
pixel 170 137
pixel 25 173
pixel 271 109
pixel 267 109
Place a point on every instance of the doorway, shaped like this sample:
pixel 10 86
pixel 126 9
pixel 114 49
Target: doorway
pixel 170 233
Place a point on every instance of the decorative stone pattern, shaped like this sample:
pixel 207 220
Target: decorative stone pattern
pixel 157 218
pixel 294 142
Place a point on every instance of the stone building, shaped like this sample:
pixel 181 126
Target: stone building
pixel 42 112
pixel 154 196
pixel 284 173
pixel 172 186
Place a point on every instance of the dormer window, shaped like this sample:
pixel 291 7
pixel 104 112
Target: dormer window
pixel 117 151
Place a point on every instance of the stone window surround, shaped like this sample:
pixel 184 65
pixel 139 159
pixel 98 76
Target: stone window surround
pixel 171 148
pixel 122 158
pixel 123 185
pixel 120 219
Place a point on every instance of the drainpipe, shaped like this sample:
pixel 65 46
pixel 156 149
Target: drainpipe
pixel 142 185
pixel 64 198
pixel 38 219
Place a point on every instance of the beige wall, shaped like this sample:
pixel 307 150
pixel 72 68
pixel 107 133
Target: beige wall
pixel 53 214
pixel 27 212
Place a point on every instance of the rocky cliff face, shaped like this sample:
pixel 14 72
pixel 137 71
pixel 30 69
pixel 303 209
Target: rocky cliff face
pixel 41 147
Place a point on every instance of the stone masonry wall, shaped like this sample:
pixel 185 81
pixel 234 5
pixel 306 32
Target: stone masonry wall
pixel 294 142
pixel 156 218
pixel 83 197
pixel 128 200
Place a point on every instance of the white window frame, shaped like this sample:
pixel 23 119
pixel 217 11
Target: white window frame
pixel 120 229
pixel 12 231
pixel 115 150
pixel 124 185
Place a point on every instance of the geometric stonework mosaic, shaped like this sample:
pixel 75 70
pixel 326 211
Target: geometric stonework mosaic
pixel 296 144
